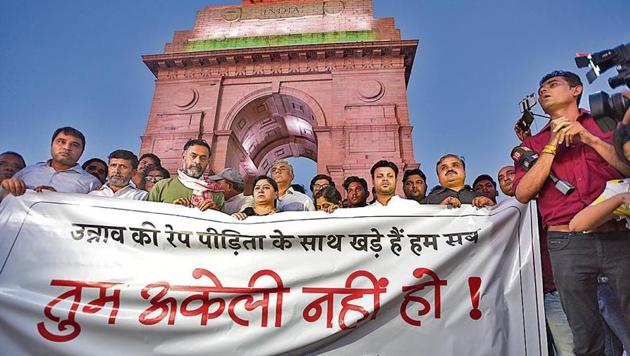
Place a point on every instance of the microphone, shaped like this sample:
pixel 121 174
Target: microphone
pixel 526 158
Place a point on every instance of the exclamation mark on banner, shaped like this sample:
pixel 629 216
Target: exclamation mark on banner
pixel 474 284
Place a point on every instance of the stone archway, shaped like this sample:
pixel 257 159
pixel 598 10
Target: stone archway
pixel 269 128
pixel 325 80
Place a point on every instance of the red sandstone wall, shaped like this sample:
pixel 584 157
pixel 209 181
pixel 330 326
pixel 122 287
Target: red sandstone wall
pixel 354 100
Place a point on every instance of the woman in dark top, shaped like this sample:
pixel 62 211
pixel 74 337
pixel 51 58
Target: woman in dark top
pixel 265 193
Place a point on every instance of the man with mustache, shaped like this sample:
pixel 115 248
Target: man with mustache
pixel 384 175
pixel 356 192
pixel 121 166
pixel 61 173
pixel 415 185
pixel 453 191
pixel 505 178
pixel 187 188
pixel 485 185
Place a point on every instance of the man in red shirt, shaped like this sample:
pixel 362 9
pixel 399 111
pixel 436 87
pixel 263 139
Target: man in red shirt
pixel 574 148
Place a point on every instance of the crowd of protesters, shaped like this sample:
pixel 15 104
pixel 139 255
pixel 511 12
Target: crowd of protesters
pixel 584 235
pixel 125 176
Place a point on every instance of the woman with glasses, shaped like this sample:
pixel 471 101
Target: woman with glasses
pixel 155 175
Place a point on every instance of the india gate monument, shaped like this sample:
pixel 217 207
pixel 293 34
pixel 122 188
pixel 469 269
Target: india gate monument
pixel 268 79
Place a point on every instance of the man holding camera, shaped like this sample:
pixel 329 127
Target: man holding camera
pixel 573 147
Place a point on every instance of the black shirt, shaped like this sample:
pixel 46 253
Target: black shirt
pixel 249 211
pixel 465 195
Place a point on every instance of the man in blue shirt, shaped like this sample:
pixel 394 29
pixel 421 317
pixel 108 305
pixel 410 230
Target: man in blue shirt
pixel 61 173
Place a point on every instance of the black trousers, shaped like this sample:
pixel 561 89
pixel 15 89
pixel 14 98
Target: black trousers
pixel 577 259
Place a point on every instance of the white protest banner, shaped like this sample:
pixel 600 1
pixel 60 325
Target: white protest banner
pixel 97 276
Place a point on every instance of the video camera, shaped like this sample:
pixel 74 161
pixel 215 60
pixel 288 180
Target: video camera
pixel 526 158
pixel 608 109
pixel 527 117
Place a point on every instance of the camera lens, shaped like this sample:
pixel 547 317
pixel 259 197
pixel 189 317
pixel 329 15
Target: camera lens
pixel 604 105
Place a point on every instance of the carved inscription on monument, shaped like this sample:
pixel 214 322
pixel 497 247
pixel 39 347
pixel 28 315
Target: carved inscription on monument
pixel 279 11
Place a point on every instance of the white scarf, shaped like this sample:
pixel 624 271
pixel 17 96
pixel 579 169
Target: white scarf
pixel 198 186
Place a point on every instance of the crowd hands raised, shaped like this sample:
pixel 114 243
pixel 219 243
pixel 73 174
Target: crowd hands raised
pixel 125 176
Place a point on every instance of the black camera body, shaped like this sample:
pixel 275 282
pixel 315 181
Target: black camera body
pixel 608 109
pixel 527 117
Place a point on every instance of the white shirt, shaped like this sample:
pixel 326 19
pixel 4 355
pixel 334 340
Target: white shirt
pixel 237 203
pixel 295 201
pixel 398 203
pixel 128 192
pixel 71 180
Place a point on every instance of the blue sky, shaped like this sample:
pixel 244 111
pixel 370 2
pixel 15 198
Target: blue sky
pixel 77 63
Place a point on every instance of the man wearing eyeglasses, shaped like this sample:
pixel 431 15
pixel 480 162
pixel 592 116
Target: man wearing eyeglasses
pixel 320 182
pixel 153 176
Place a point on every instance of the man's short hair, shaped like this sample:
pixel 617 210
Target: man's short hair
pixel 485 177
pixel 415 171
pixel 16 155
pixel 155 158
pixel 460 158
pixel 330 193
pixel 282 161
pixel 126 155
pixel 92 160
pixel 70 131
pixel 353 179
pixel 322 176
pixel 571 78
pixel 386 164
pixel 197 142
